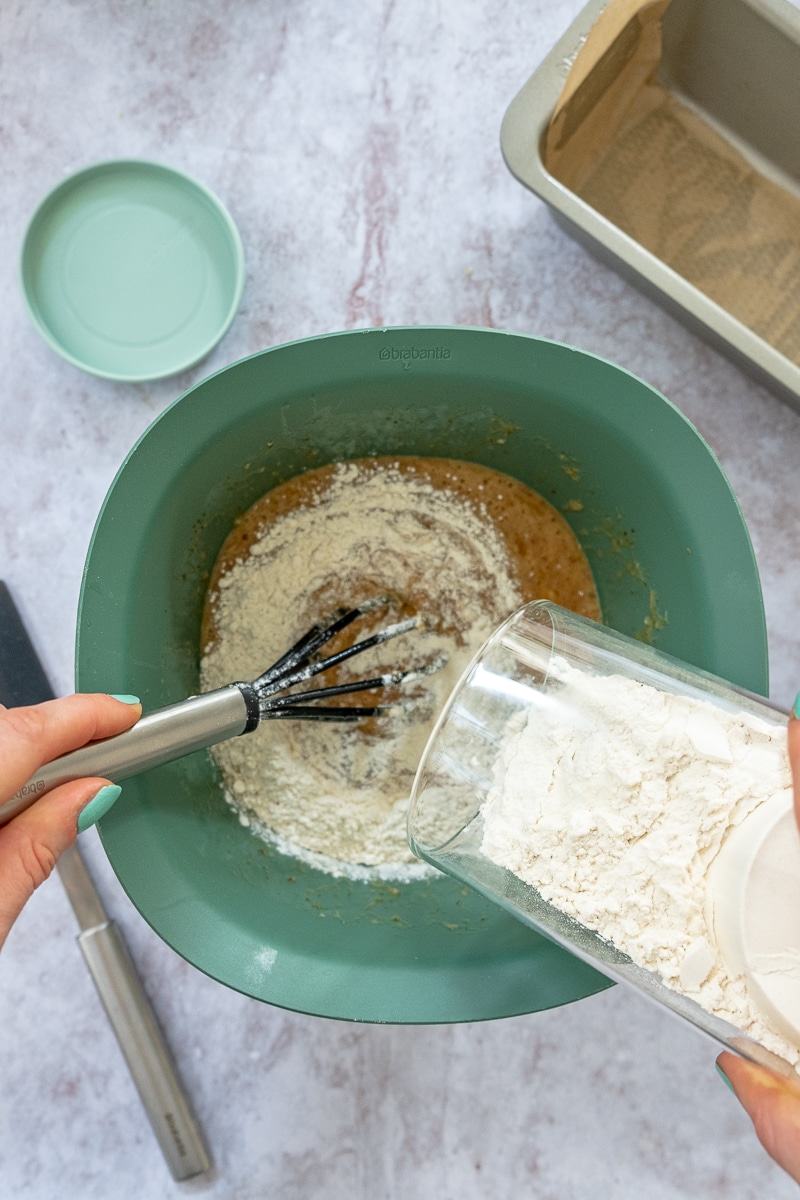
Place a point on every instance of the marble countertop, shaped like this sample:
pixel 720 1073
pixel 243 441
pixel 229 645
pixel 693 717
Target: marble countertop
pixel 357 148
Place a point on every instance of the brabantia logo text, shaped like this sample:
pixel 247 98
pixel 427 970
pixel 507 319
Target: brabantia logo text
pixel 408 353
pixel 30 789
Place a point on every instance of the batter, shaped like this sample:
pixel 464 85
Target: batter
pixel 458 544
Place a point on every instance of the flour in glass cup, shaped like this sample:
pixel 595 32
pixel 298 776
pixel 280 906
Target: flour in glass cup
pixel 616 813
pixel 456 543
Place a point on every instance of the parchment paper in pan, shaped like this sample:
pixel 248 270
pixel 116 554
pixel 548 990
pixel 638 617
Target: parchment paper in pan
pixel 660 172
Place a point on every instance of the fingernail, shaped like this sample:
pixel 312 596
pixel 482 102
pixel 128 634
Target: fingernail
pixel 723 1076
pixel 98 806
pixel 126 699
pixel 796 706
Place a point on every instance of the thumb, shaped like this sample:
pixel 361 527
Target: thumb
pixel 772 1103
pixel 31 844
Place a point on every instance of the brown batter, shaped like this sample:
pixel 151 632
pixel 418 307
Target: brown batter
pixel 545 558
pixel 455 543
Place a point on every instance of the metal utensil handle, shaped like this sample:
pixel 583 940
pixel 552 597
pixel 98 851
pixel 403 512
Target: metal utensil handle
pixel 146 1053
pixel 158 738
pixel 134 1022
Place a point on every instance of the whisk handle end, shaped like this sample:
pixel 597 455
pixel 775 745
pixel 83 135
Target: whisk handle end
pixel 252 705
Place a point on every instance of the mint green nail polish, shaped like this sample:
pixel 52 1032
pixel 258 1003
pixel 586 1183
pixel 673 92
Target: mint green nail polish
pixel 125 699
pixel 98 806
pixel 723 1076
pixel 796 706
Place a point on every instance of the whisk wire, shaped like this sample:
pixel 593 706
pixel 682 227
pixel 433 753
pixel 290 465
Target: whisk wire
pixel 309 670
pixel 339 689
pixel 308 644
pixel 321 712
pixel 297 666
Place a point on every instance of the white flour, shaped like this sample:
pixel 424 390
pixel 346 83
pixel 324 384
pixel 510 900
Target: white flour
pixel 329 789
pixel 615 817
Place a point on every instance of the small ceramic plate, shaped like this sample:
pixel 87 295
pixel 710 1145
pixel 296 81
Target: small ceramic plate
pixel 131 270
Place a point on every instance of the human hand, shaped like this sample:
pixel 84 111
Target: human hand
pixel 772 1101
pixel 31 843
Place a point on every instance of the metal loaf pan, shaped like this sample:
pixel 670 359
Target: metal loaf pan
pixel 665 136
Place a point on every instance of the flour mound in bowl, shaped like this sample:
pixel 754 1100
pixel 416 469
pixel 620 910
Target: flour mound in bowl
pixel 456 543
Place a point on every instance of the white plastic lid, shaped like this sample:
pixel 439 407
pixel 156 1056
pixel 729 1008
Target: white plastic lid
pixel 755 900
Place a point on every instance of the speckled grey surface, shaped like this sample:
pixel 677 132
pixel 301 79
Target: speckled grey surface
pixel 357 147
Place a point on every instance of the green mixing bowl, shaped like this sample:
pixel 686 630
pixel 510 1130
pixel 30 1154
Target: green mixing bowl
pixel 650 505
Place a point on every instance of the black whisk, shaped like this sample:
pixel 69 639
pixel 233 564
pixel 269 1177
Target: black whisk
pixel 299 665
pixel 238 708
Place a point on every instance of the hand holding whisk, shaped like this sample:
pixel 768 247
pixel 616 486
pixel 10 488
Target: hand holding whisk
pixel 229 711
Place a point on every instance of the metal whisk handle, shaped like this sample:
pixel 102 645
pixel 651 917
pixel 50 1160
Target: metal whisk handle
pixel 158 738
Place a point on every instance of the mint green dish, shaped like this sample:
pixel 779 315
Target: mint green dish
pixel 131 270
pixel 659 523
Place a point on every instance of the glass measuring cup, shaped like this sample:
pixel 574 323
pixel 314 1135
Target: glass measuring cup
pixel 525 674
